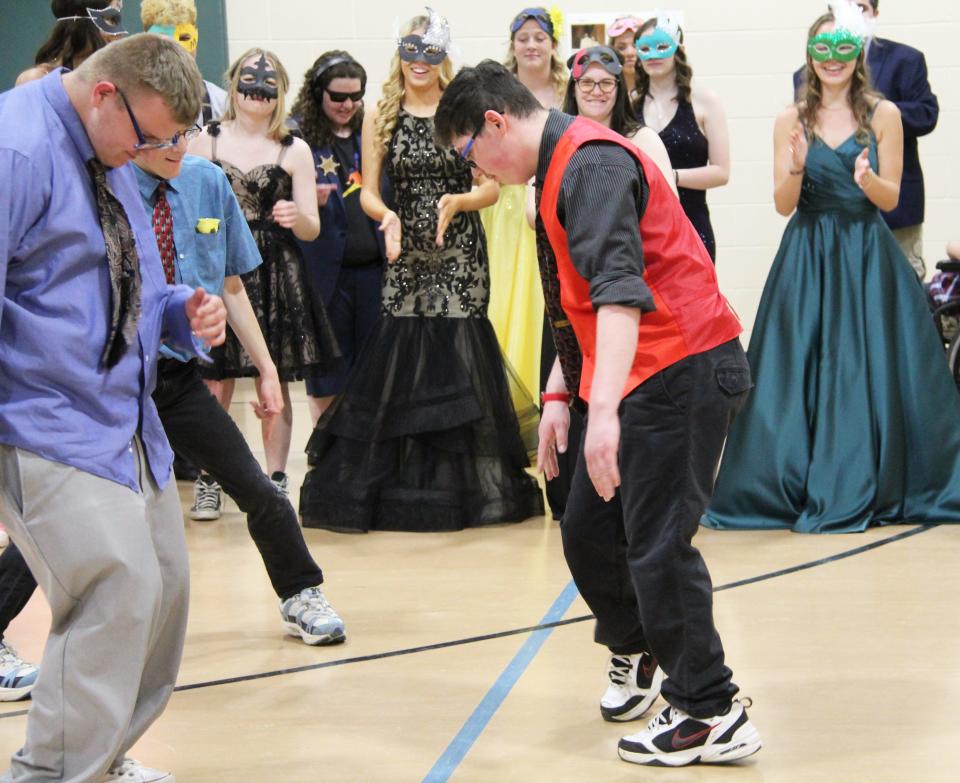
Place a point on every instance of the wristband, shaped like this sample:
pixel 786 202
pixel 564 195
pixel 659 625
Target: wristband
pixel 546 397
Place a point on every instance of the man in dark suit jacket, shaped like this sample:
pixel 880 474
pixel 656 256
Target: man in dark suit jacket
pixel 899 73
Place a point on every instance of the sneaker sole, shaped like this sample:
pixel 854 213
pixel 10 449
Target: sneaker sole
pixel 204 516
pixel 634 709
pixel 15 694
pixel 711 754
pixel 334 637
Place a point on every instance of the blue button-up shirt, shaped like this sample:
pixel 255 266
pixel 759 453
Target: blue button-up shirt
pixel 210 233
pixel 55 400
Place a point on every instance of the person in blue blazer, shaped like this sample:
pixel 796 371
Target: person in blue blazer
pixel 345 263
pixel 899 73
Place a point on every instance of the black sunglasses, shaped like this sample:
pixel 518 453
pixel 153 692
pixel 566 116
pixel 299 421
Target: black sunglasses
pixel 342 97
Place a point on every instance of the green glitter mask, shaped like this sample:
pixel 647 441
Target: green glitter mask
pixel 840 45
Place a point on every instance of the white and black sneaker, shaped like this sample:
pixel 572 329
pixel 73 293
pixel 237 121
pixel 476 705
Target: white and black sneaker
pixel 674 738
pixel 282 482
pixel 634 685
pixel 207 500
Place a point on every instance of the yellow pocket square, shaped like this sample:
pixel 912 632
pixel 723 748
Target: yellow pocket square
pixel 208 225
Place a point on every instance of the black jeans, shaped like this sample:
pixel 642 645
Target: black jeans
pixel 632 558
pixel 203 432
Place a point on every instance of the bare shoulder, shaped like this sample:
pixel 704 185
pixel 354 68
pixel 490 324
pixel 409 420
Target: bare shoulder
pixel 788 117
pixel 645 136
pixel 32 74
pixel 886 112
pixel 705 97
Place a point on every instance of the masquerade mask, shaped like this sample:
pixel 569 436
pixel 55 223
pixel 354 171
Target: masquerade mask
pixel 184 34
pixel 341 97
pixel 539 15
pixel 840 45
pixel 603 55
pixel 415 47
pixel 107 20
pixel 622 25
pixel 259 82
pixel 658 45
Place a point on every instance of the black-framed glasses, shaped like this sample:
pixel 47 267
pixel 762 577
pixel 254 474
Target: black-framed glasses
pixel 606 86
pixel 465 152
pixel 343 97
pixel 142 145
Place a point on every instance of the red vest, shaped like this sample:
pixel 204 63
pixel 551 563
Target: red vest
pixel 691 316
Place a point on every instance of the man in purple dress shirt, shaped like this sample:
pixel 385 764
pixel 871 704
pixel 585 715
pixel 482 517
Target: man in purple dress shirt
pixel 85 485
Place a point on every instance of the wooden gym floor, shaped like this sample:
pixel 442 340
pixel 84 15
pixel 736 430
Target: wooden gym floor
pixel 848 645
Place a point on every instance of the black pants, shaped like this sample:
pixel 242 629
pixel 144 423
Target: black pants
pixel 203 432
pixel 632 558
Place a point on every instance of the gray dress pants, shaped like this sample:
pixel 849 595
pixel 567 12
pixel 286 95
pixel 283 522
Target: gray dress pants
pixel 113 566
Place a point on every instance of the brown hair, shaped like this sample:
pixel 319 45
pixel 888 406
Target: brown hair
pixel 277 129
pixel 166 12
pixel 149 63
pixel 861 98
pixel 682 74
pixel 308 108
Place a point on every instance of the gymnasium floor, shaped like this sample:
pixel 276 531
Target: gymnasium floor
pixel 852 659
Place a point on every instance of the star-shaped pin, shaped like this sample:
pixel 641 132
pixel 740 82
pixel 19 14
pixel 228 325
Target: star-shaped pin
pixel 327 164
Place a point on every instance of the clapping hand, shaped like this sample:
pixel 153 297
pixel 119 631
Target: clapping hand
pixel 390 226
pixel 285 213
pixel 798 149
pixel 862 167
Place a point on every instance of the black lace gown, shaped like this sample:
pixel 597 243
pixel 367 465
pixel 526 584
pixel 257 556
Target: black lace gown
pixel 425 435
pixel 296 329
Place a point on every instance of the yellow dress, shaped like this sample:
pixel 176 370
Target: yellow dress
pixel 516 297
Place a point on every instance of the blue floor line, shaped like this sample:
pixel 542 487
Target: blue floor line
pixel 460 745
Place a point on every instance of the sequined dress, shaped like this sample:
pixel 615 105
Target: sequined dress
pixel 297 330
pixel 688 148
pixel 426 435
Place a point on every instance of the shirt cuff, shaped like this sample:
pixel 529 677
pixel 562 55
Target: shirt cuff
pixel 179 342
pixel 624 290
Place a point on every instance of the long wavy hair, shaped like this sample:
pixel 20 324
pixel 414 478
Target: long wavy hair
pixel 71 40
pixel 277 129
pixel 682 73
pixel 622 118
pixel 314 123
pixel 861 97
pixel 558 69
pixel 394 90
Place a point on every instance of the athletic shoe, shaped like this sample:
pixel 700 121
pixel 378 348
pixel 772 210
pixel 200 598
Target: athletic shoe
pixel 674 738
pixel 281 482
pixel 130 771
pixel 17 677
pixel 634 685
pixel 309 615
pixel 207 500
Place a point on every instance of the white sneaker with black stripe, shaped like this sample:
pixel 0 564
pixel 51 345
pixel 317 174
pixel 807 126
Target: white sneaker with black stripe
pixel 674 738
pixel 635 682
pixel 308 614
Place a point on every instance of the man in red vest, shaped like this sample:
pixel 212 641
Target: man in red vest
pixel 647 344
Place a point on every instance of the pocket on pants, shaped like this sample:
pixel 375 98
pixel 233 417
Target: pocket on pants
pixel 734 380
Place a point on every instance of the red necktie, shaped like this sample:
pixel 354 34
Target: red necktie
pixel 163 228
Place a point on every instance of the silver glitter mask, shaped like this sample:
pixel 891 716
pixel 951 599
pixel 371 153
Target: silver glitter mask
pixel 438 30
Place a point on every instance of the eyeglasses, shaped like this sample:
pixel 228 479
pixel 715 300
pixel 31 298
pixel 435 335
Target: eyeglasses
pixel 189 133
pixel 343 97
pixel 465 152
pixel 606 86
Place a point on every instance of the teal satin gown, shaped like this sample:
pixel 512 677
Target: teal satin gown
pixel 855 419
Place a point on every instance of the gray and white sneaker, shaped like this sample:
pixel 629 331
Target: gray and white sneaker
pixel 17 677
pixel 282 482
pixel 207 500
pixel 309 615
pixel 130 771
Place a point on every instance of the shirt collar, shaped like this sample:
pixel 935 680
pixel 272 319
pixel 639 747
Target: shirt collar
pixel 148 183
pixel 557 124
pixel 56 95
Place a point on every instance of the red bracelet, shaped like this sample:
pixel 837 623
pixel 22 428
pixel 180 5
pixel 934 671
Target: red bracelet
pixel 563 397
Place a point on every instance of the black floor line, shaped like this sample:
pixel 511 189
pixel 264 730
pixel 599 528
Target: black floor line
pixel 529 629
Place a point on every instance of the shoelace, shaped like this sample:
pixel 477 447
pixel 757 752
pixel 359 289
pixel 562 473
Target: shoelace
pixel 664 718
pixel 9 655
pixel 620 667
pixel 208 495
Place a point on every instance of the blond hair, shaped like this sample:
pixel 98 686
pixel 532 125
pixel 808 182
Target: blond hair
pixel 149 63
pixel 167 12
pixel 277 130
pixel 394 90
